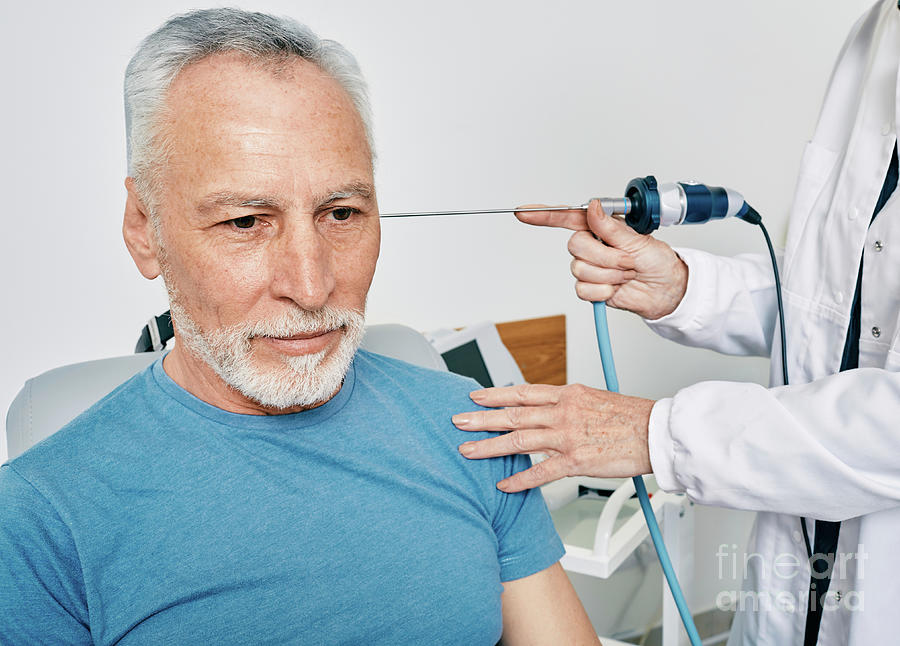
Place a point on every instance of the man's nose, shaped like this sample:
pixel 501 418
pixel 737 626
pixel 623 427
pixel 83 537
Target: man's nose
pixel 302 267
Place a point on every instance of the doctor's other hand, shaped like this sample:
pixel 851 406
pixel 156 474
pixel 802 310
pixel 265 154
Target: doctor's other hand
pixel 582 430
pixel 613 263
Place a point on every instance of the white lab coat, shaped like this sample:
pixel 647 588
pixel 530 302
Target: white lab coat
pixel 827 446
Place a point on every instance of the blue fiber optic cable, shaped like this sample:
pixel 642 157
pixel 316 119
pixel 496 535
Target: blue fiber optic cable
pixel 612 385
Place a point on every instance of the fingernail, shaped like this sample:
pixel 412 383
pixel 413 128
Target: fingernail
pixel 475 395
pixel 503 486
pixel 460 420
pixel 467 449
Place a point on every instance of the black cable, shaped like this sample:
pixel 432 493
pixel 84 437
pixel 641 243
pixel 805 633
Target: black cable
pixel 806 537
pixel 784 370
pixel 753 217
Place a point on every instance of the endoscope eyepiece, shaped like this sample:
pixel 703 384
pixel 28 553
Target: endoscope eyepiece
pixel 644 195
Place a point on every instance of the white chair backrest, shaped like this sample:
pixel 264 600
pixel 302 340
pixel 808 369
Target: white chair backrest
pixel 51 400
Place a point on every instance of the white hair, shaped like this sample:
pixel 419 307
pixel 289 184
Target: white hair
pixel 190 37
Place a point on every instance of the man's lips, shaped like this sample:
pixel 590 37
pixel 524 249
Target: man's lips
pixel 303 343
pixel 294 337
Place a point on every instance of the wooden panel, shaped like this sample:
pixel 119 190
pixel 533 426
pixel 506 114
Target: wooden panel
pixel 539 347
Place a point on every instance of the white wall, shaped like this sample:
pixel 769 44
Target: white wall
pixel 477 104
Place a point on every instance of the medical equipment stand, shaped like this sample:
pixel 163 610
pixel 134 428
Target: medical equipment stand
pixel 675 514
pixel 678 533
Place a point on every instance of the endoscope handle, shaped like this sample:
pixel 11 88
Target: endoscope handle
pixel 655 205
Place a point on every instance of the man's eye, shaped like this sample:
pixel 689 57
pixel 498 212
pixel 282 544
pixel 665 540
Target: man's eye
pixel 244 222
pixel 342 213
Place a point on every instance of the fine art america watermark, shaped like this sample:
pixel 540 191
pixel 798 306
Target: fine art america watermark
pixel 787 566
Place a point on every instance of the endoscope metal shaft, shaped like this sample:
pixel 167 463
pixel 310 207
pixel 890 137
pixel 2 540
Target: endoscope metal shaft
pixel 611 205
pixel 648 205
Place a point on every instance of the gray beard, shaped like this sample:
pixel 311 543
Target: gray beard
pixel 299 381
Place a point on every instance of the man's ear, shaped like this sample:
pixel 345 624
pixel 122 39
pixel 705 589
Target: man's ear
pixel 137 229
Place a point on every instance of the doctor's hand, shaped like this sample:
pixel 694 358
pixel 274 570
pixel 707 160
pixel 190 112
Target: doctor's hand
pixel 629 271
pixel 583 431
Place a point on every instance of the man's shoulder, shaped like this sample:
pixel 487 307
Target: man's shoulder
pixel 375 368
pixel 92 430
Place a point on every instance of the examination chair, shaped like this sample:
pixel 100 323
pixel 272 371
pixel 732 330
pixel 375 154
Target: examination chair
pixel 51 400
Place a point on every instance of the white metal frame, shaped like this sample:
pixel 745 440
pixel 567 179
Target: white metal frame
pixel 673 512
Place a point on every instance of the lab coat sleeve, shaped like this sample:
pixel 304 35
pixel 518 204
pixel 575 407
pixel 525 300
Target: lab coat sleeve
pixel 829 449
pixel 730 305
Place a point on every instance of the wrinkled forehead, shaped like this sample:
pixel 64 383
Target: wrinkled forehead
pixel 231 83
pixel 228 115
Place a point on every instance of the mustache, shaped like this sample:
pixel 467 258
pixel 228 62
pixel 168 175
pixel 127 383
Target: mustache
pixel 296 321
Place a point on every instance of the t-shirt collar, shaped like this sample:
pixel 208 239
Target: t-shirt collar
pixel 238 420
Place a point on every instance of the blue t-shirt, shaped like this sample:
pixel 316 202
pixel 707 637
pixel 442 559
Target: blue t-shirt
pixel 156 518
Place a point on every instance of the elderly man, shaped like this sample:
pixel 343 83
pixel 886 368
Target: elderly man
pixel 266 481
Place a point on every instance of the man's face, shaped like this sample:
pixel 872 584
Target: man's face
pixel 269 224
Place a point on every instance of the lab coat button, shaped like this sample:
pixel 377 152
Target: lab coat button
pixel 853 214
pixel 878 245
pixel 839 297
pixel 887 128
pixel 876 331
